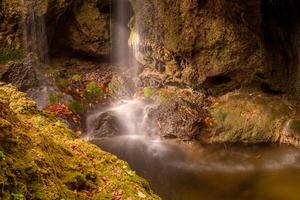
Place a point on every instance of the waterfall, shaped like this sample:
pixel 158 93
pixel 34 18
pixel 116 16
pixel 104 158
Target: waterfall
pixel 131 116
pixel 34 30
pixel 127 117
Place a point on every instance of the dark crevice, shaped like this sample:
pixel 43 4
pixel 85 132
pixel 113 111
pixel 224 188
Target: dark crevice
pixel 220 85
pixel 201 2
pixel 266 88
pixel 280 23
pixel 218 80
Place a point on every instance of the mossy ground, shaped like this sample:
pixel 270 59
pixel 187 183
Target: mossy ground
pixel 40 158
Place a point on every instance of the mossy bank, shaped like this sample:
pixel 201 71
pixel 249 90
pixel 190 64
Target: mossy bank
pixel 40 158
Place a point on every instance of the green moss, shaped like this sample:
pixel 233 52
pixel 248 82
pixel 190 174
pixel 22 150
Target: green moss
pixel 46 160
pixel 113 85
pixel 76 107
pixel 149 92
pixel 18 196
pixel 55 98
pixel 10 55
pixel 2 156
pixel 76 77
pixel 62 83
pixel 93 91
pixel 78 181
pixel 222 116
pixel 249 117
pixel 295 126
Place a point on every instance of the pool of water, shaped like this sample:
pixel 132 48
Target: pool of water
pixel 189 171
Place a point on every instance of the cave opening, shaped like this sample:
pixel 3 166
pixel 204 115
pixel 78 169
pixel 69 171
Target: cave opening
pixel 280 20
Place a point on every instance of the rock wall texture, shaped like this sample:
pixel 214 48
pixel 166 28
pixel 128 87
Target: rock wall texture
pixel 281 38
pixel 77 25
pixel 196 42
pixel 86 29
pixel 192 40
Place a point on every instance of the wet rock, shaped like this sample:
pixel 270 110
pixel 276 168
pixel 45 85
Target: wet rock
pixel 121 86
pixel 177 116
pixel 193 40
pixel 151 78
pixel 26 76
pixel 248 116
pixel 106 125
pixel 22 74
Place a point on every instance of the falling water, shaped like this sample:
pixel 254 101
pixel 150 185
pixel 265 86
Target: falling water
pixel 34 29
pixel 132 116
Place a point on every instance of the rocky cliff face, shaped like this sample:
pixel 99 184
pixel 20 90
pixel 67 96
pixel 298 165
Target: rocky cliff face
pixel 194 41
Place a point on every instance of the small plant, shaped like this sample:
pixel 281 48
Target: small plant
pixel 62 83
pixel 18 196
pixel 113 85
pixel 295 126
pixel 223 116
pixel 7 55
pixel 55 98
pixel 76 107
pixel 2 155
pixel 93 92
pixel 149 92
pixel 76 77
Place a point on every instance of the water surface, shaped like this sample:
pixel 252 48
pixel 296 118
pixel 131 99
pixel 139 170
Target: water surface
pixel 194 172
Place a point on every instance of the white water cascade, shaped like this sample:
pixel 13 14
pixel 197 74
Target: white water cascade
pixel 131 115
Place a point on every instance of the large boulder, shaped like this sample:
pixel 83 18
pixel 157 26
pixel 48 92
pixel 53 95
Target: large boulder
pixel 250 116
pixel 175 113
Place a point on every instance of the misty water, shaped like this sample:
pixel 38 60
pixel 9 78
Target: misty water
pixel 191 171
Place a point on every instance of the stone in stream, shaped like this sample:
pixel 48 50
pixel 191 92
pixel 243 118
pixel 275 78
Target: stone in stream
pixel 106 125
pixel 177 114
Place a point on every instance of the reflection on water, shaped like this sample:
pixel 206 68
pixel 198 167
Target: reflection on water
pixel 193 172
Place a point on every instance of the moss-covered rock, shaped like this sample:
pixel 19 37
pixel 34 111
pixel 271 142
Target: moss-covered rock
pixel 40 158
pixel 176 113
pixel 249 116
